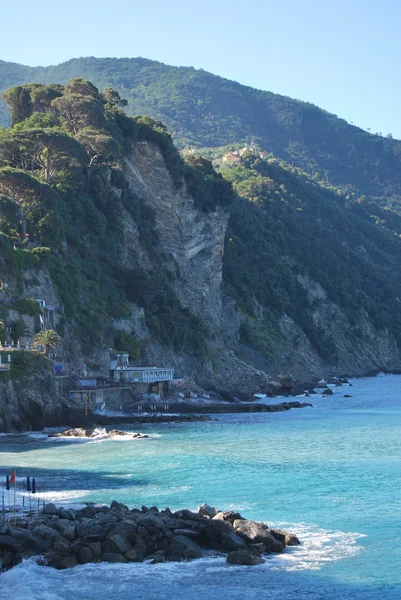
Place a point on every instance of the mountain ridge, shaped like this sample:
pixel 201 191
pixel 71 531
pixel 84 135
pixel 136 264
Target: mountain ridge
pixel 201 109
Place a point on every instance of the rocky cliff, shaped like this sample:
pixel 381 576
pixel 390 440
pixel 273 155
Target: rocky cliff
pixel 193 242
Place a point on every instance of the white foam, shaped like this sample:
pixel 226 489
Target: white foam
pixel 318 547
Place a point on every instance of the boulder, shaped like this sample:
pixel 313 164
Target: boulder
pixel 50 509
pixel 242 557
pixel 132 556
pixel 288 539
pixel 10 544
pixel 45 532
pixel 62 546
pixel 158 557
pixel 88 527
pixel 118 507
pixel 114 558
pixel 257 549
pixel 230 516
pixel 251 531
pixel 61 562
pixel 150 520
pixel 193 535
pixel 207 511
pixel 85 555
pixel 66 528
pixel 327 392
pixel 182 548
pixel 231 541
pixel 117 544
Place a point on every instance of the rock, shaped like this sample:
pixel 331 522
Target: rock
pixel 115 432
pixel 8 558
pixel 327 392
pixel 85 555
pixel 347 396
pixel 219 524
pixel 251 531
pixel 288 539
pixel 10 544
pixel 50 509
pixel 182 547
pixel 113 558
pixel 207 511
pixel 140 545
pixel 27 539
pixel 242 557
pixel 158 557
pixel 45 532
pixel 118 507
pixel 131 556
pixel 88 527
pixel 310 392
pixel 61 562
pixel 150 520
pixel 257 549
pixel 231 541
pixel 62 546
pixel 117 544
pixel 193 535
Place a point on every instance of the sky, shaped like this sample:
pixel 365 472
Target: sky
pixel 342 55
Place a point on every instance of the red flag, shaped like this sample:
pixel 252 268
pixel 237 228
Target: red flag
pixel 12 478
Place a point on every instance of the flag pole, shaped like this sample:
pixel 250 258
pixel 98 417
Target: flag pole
pixel 15 497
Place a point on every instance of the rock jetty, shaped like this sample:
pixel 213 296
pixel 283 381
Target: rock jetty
pixel 65 537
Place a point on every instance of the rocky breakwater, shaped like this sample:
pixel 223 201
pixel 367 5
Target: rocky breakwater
pixel 64 538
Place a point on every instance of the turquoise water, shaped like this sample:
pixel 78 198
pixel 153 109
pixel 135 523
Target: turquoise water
pixel 330 473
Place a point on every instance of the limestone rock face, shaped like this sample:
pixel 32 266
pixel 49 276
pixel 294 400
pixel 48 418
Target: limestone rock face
pixel 194 239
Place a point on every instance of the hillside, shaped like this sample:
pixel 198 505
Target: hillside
pixel 226 276
pixel 204 110
pixel 298 247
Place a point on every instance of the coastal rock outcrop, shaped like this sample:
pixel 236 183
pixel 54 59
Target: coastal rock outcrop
pixel 98 432
pixel 65 538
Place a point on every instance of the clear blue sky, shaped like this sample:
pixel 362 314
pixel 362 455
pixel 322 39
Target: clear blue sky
pixel 343 55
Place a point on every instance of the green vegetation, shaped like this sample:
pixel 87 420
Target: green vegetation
pixel 126 342
pixel 285 226
pixel 48 338
pixel 204 110
pixel 64 201
pixel 27 306
pixel 23 364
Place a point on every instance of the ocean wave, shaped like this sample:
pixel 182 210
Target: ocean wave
pixel 318 546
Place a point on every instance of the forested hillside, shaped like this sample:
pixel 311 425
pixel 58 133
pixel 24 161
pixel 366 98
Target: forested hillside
pixel 287 229
pixel 64 204
pixel 204 110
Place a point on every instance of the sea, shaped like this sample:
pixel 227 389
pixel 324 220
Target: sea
pixel 330 473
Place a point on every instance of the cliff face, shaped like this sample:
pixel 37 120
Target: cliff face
pixel 195 243
pixel 193 239
pixel 31 403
